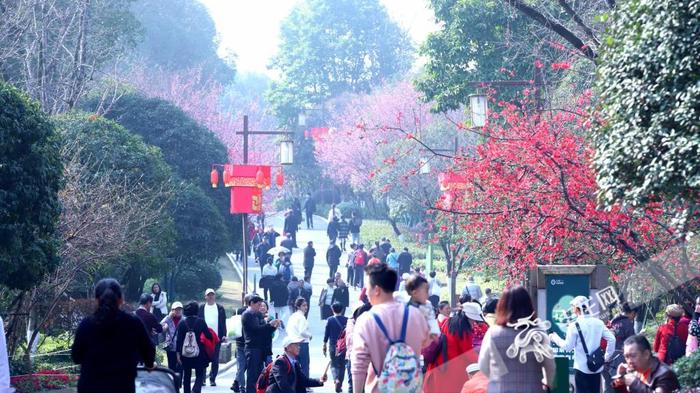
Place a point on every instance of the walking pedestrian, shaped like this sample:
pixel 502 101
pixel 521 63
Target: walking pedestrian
pixel 333 213
pixel 325 301
pixel 622 327
pixel 268 275
pixel 189 333
pixel 261 252
pixel 159 307
pixel 306 293
pixel 267 351
pixel 278 297
pixel 256 332
pixel 333 255
pixel 502 362
pixel 113 332
pixel 152 325
pixel 288 242
pixel 341 293
pixel 405 261
pixel 584 337
pixel 170 324
pixel 286 375
pixel 355 225
pixel 385 324
pixel 332 230
pixel 385 245
pixel 479 326
pixel 378 251
pixel 360 261
pixel 309 210
pixel 294 289
pixel 446 370
pixel 671 337
pixel 309 259
pixel 298 326
pixel 271 236
pixel 239 380
pixel 334 326
pixel 392 259
pixel 214 315
pixel 343 231
pixel 349 327
pixel 434 286
pixel 472 289
pixel 350 264
pixel 642 371
pixel 291 225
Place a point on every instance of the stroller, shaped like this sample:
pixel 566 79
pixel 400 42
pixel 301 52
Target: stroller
pixel 159 380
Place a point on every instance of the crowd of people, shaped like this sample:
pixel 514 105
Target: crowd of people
pixel 401 334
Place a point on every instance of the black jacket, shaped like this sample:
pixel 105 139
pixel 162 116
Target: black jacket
pixel 221 331
pixel 199 327
pixel 310 206
pixel 256 331
pixel 332 229
pixel 290 224
pixel 278 292
pixel 309 255
pixel 333 255
pixel 108 353
pixel 405 260
pixel 342 296
pixel 286 380
pixel 623 328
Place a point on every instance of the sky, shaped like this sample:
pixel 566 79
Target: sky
pixel 250 28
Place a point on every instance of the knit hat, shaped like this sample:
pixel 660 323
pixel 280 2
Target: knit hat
pixel 674 311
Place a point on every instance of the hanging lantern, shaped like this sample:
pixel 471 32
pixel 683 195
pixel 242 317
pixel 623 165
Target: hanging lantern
pixel 279 179
pixel 227 176
pixel 260 178
pixel 478 105
pixel 214 176
pixel 287 151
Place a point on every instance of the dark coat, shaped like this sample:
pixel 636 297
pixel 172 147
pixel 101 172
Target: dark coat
pixel 342 295
pixel 256 331
pixel 310 206
pixel 278 292
pixel 221 331
pixel 286 380
pixel 309 255
pixel 290 224
pixel 332 230
pixel 108 354
pixel 405 261
pixel 661 377
pixel 198 326
pixel 333 255
pixel 287 243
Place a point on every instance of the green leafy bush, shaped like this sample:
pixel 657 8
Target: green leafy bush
pixel 688 370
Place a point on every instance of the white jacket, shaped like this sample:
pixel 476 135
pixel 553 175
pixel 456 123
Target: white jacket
pixel 161 304
pixel 298 326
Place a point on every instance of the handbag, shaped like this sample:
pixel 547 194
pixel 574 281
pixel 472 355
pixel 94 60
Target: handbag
pixel 594 360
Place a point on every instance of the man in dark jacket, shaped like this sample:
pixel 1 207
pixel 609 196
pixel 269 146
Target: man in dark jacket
pixel 286 375
pixel 153 326
pixel 333 259
pixel 288 242
pixel 309 257
pixel 278 297
pixel 405 262
pixel 291 226
pixel 309 210
pixel 622 327
pixel 332 230
pixel 257 333
pixel 215 316
pixel 643 372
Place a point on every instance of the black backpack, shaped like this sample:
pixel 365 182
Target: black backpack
pixel 675 348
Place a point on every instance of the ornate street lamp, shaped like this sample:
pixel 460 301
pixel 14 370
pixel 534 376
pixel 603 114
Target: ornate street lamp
pixel 478 105
pixel 286 151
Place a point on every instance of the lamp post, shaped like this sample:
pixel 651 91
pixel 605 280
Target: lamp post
pixel 286 158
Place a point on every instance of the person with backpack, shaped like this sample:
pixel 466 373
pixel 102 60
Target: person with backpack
pixel 669 343
pixel 385 353
pixel 214 315
pixel 190 349
pixel 347 336
pixel 360 262
pixel 109 343
pixel 335 326
pixel 584 336
pixel 285 375
pixel 257 333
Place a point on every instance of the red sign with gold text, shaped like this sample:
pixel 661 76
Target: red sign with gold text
pixel 246 195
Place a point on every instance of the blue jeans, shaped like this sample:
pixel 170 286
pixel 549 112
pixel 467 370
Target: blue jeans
pixel 304 358
pixel 240 372
pixel 347 367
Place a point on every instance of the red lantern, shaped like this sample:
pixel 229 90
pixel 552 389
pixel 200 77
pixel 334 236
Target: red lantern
pixel 260 178
pixel 214 176
pixel 279 179
pixel 227 176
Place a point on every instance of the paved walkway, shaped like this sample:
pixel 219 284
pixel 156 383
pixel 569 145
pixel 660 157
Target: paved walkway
pixel 318 281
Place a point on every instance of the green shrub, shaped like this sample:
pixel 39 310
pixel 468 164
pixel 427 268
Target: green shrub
pixel 688 370
pixel 346 208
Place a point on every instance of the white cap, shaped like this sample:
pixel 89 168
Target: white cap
pixel 472 368
pixel 405 276
pixel 176 305
pixel 580 301
pixel 291 340
pixel 472 310
pixel 208 291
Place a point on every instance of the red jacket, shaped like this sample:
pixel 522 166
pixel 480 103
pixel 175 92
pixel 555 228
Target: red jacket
pixel 664 333
pixel 450 376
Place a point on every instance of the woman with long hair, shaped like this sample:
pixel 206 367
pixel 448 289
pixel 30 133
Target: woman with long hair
pixel 454 353
pixel 515 354
pixel 110 343
pixel 192 323
pixel 159 309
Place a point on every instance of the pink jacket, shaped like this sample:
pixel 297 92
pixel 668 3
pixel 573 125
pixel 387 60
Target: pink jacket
pixel 370 346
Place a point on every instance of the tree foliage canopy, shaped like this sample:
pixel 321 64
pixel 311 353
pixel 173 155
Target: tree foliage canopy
pixel 649 80
pixel 30 178
pixel 333 46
